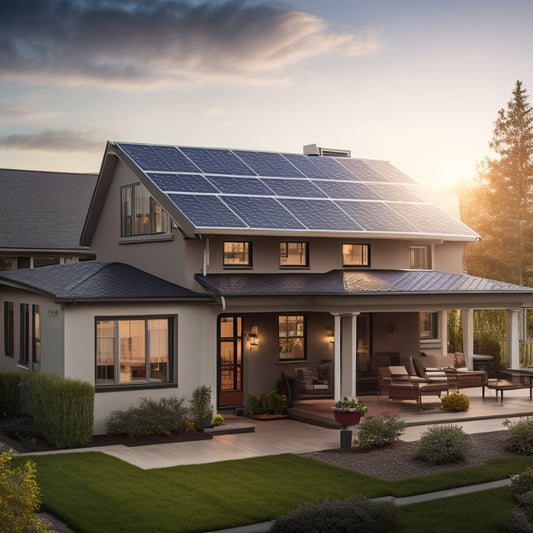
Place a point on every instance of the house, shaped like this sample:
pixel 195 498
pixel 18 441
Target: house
pixel 234 268
pixel 41 224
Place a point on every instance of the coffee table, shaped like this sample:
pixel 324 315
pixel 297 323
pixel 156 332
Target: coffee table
pixel 498 385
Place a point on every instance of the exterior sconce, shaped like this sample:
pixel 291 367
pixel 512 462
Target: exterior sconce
pixel 331 335
pixel 253 337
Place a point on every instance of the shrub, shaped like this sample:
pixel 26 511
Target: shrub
pixel 520 436
pixel 164 417
pixel 379 431
pixel 63 409
pixel 218 421
pixel 523 482
pixel 518 522
pixel 271 403
pixel 200 405
pixel 455 402
pixel 10 392
pixel 339 516
pixel 443 444
pixel 19 497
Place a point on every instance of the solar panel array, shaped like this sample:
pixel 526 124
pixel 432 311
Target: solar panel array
pixel 239 189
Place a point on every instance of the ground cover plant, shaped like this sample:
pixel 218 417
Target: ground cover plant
pixel 94 492
pixel 520 436
pixel 521 518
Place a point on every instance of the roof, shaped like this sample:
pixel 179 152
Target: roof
pixel 211 190
pixel 97 280
pixel 43 210
pixel 361 282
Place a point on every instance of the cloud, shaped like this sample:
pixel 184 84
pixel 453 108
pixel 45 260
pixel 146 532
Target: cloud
pixel 54 141
pixel 14 112
pixel 156 42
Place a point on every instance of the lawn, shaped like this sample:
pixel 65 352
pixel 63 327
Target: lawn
pixel 94 492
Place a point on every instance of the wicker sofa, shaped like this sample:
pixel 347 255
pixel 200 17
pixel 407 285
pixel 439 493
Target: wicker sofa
pixel 432 367
pixel 313 382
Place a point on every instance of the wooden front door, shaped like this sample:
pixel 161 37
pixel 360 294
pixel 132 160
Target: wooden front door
pixel 230 361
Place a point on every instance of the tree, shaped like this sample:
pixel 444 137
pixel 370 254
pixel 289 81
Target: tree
pixel 499 203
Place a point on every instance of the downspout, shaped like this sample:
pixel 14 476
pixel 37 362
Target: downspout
pixel 206 258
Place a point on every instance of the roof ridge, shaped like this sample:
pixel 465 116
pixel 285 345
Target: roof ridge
pixel 101 266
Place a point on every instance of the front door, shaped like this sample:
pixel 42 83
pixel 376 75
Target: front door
pixel 230 361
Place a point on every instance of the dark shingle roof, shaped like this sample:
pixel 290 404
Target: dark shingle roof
pixel 97 280
pixel 361 282
pixel 43 210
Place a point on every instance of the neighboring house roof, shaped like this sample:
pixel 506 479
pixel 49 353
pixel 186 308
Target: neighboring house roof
pixel 43 210
pixel 97 280
pixel 207 190
pixel 352 283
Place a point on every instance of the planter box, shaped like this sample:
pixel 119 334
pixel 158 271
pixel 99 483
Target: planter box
pixel 346 417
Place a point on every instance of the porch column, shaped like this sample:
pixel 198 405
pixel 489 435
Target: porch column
pixel 353 366
pixel 444 331
pixel 513 345
pixel 337 356
pixel 467 320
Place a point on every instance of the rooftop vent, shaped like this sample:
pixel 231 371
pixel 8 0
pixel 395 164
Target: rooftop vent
pixel 313 149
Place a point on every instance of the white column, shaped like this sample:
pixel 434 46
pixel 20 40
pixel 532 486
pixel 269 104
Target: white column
pixel 444 331
pixel 513 346
pixel 353 366
pixel 467 320
pixel 337 356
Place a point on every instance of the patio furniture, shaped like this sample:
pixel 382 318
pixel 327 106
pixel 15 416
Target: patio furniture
pixel 498 385
pixel 518 376
pixel 313 382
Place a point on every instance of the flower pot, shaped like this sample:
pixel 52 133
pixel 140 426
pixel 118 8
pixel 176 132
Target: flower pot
pixel 346 417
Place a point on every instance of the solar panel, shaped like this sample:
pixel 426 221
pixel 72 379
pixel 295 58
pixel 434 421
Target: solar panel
pixel 389 172
pixel 304 164
pixel 175 159
pixel 347 190
pixel 145 157
pixel 297 188
pixel 331 168
pixel 320 215
pixel 182 183
pixel 269 164
pixel 394 192
pixel 360 169
pixel 231 185
pixel 216 161
pixel 206 211
pixel 376 216
pixel 262 213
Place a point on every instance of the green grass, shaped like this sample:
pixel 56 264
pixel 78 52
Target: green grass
pixel 94 492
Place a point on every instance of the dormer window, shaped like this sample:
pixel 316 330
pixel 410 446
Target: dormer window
pixel 356 255
pixel 141 214
pixel 293 254
pixel 238 254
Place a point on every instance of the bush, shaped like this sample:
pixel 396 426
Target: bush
pixel 200 405
pixel 10 392
pixel 455 402
pixel 19 497
pixel 339 516
pixel 523 482
pixel 218 421
pixel 63 409
pixel 271 403
pixel 442 444
pixel 518 522
pixel 379 431
pixel 164 417
pixel 520 436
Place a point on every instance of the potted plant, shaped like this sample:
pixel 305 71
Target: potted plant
pixel 348 411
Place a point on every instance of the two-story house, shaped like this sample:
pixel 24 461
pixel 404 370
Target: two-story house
pixel 230 267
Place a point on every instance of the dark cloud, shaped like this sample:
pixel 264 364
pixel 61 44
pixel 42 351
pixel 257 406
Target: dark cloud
pixel 151 42
pixel 54 141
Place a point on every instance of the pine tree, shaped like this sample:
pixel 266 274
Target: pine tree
pixel 499 204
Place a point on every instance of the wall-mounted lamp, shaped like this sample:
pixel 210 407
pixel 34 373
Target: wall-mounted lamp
pixel 253 337
pixel 331 335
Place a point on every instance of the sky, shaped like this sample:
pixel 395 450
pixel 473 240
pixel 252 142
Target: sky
pixel 415 82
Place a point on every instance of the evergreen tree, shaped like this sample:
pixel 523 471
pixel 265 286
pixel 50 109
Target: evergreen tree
pixel 499 204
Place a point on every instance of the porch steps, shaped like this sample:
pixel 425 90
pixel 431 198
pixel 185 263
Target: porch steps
pixel 313 417
pixel 233 424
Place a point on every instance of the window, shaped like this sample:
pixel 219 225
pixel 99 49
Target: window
pixel 293 254
pixel 420 257
pixel 356 255
pixel 24 332
pixel 8 329
pixel 429 325
pixel 291 337
pixel 238 254
pixel 133 351
pixel 36 333
pixel 141 214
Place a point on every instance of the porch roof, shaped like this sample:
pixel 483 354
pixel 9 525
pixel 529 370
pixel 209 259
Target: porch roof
pixel 360 282
pixel 97 281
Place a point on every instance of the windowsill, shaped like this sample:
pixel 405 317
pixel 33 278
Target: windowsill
pixel 137 239
pixel 295 267
pixel 130 386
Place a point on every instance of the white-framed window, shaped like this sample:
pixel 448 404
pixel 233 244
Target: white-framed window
pixel 429 326
pixel 420 257
pixel 356 255
pixel 237 254
pixel 140 213
pixel 291 337
pixel 293 254
pixel 134 351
